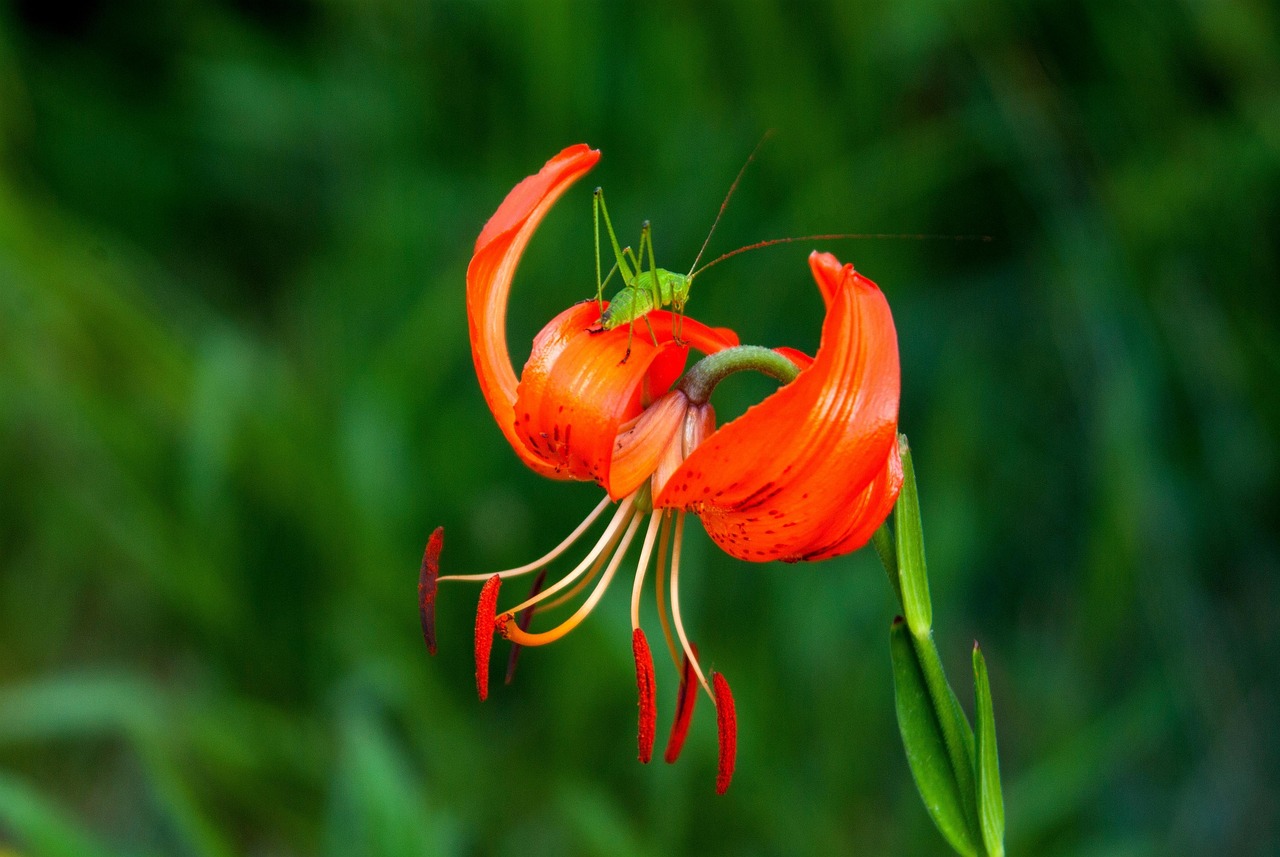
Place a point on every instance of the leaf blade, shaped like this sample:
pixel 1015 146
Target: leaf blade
pixel 927 753
pixel 990 798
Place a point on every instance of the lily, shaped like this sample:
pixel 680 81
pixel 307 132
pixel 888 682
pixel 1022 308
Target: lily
pixel 808 473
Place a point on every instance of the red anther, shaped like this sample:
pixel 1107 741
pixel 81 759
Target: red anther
pixel 727 725
pixel 427 587
pixel 485 626
pixel 522 622
pixel 645 687
pixel 684 711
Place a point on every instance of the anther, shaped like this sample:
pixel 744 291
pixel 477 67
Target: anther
pixel 485 626
pixel 645 688
pixel 685 701
pixel 522 622
pixel 427 587
pixel 727 726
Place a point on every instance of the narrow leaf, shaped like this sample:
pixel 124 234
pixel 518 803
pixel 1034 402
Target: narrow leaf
pixel 990 800
pixel 957 735
pixel 922 738
pixel 36 825
pixel 888 553
pixel 912 573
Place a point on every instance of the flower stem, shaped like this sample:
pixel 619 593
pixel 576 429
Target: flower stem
pixel 699 381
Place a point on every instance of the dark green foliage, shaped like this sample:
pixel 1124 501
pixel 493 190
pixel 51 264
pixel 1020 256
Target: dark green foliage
pixel 236 397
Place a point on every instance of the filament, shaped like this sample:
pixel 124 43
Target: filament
pixel 622 516
pixel 512 632
pixel 586 579
pixel 651 535
pixel 675 606
pixel 538 563
pixel 664 542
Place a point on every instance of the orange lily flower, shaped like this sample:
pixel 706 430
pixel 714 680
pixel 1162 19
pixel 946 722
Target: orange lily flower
pixel 809 473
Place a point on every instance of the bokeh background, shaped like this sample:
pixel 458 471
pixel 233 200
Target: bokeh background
pixel 236 396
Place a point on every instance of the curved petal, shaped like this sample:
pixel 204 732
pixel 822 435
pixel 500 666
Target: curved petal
pixel 865 514
pixel 642 443
pixel 489 276
pixel 692 332
pixel 811 471
pixel 578 389
pixel 695 334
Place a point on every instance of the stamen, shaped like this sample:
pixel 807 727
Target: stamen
pixel 505 626
pixel 651 535
pixel 484 633
pixel 685 700
pixel 523 621
pixel 427 578
pixel 607 539
pixel 727 726
pixel 585 581
pixel 544 560
pixel 675 605
pixel 645 687
pixel 664 542
pixel 590 576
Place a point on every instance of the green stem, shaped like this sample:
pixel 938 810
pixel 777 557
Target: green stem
pixel 699 381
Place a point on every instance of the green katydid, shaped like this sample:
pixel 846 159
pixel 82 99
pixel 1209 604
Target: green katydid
pixel 647 290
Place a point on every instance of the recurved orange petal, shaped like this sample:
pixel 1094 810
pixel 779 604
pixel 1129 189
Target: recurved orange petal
pixel 489 276
pixel 581 386
pixel 811 471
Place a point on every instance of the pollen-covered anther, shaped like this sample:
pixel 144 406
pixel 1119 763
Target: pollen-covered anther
pixel 727 726
pixel 685 700
pixel 485 626
pixel 646 689
pixel 427 578
pixel 522 622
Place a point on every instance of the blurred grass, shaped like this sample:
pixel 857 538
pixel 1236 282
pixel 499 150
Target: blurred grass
pixel 236 395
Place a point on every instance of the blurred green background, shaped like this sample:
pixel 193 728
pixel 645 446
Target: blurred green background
pixel 236 395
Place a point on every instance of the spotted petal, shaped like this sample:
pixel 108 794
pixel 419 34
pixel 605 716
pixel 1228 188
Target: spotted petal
pixel 811 471
pixel 489 276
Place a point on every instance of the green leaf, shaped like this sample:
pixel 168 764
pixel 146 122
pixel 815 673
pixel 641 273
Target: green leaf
pixel 957 735
pixel 912 572
pixel 990 800
pixel 927 752
pixel 888 553
pixel 379 804
pixel 32 821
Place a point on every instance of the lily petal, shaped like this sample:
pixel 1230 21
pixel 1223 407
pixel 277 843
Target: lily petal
pixel 489 276
pixel 805 473
pixel 577 391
